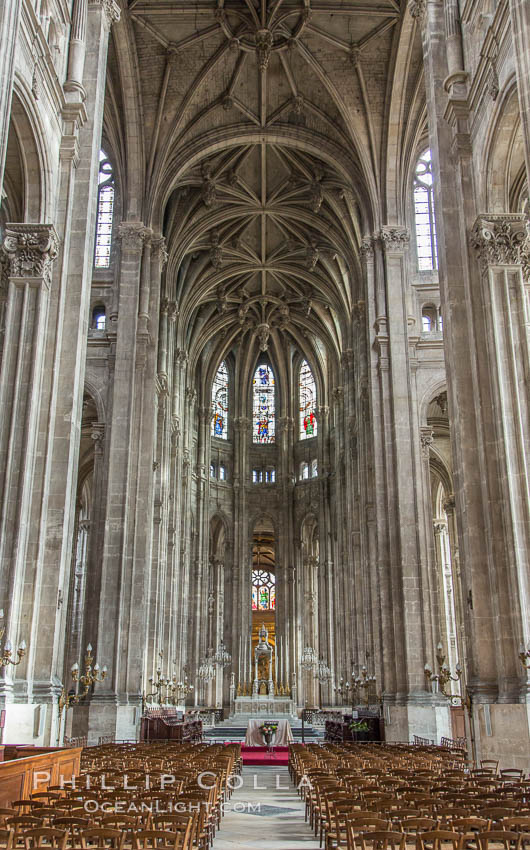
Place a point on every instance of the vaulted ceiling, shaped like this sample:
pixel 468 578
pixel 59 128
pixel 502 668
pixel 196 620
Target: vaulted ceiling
pixel 263 137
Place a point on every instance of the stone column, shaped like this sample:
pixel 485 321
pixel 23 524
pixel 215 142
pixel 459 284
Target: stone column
pixel 410 610
pixel 27 257
pixel 122 609
pixel 482 348
pixel 503 252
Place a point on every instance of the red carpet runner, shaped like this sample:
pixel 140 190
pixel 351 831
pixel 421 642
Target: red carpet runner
pixel 279 756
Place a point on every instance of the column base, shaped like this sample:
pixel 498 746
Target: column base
pixel 430 721
pixel 502 731
pixel 31 723
pixel 104 719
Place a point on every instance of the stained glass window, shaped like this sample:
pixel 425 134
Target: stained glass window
pixel 220 403
pixel 308 398
pixel 105 213
pixel 424 214
pixel 263 591
pixel 263 407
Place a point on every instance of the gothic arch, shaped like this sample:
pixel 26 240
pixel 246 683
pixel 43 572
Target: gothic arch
pixel 504 152
pixel 34 156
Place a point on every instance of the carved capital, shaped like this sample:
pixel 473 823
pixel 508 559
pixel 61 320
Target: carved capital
pixel 427 439
pixel 133 234
pixel 394 238
pixel 501 240
pixel 111 10
pixel 28 252
pixel 366 248
pixel 449 504
pixel 159 250
pixel 97 435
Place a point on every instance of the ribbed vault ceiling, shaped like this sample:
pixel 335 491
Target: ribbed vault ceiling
pixel 264 123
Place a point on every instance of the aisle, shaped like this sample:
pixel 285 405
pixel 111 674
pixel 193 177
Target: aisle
pixel 266 812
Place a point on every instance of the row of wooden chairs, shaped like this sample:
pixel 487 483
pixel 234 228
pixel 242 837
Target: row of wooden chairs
pixel 353 791
pixel 129 798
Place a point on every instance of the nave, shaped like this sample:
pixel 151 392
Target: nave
pixel 265 808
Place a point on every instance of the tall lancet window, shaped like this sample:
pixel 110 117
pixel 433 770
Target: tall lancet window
pixel 263 405
pixel 105 213
pixel 220 403
pixel 424 213
pixel 308 400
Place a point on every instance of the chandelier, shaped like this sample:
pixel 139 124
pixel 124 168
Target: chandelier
pixel 309 658
pixel 322 672
pixel 220 658
pixel 444 673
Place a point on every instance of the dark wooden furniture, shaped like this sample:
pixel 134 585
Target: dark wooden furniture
pixel 165 724
pixel 339 732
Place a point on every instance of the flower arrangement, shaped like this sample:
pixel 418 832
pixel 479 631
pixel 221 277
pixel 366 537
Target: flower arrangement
pixel 359 726
pixel 268 728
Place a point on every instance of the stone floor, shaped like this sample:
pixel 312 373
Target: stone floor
pixel 265 812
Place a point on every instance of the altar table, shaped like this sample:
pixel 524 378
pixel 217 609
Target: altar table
pixel 281 737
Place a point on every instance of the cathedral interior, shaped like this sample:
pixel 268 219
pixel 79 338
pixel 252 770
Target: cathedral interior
pixel 264 362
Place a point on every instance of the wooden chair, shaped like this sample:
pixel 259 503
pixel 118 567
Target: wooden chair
pixel 495 814
pixel 153 839
pixel 6 839
pixel 45 837
pixel 99 837
pixel 499 838
pixel 413 826
pixel 382 840
pixel 511 774
pixel 73 826
pixel 439 839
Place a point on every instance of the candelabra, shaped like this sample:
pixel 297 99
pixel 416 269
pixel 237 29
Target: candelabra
pixel 363 682
pixel 343 690
pixel 443 677
pixel 183 688
pixel 524 656
pixel 90 677
pixel 5 657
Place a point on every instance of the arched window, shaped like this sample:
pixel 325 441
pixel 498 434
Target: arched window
pixel 263 591
pixel 105 213
pixel 424 213
pixel 263 405
pixel 314 468
pixel 222 473
pixel 304 471
pixel 99 318
pixel 308 398
pixel 220 403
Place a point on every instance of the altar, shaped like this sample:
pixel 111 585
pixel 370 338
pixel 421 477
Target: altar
pixel 282 737
pixel 263 695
